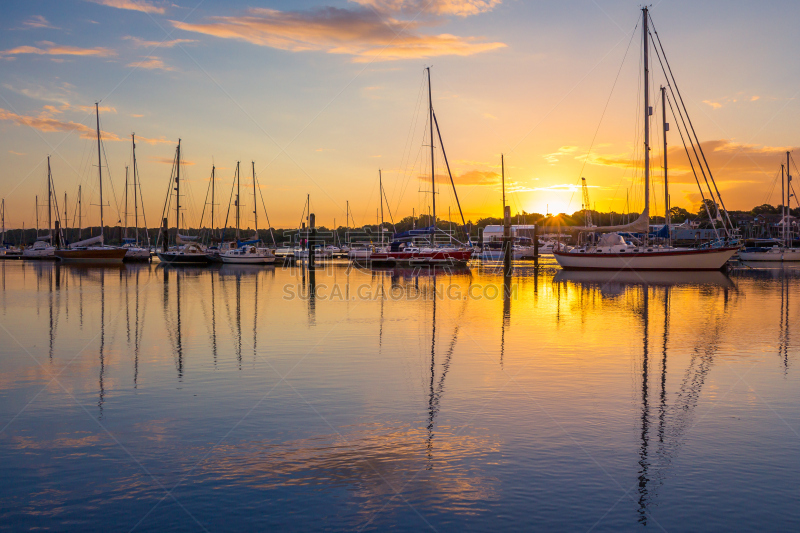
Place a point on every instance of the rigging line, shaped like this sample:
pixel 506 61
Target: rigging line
pixel 696 179
pixel 233 188
pixel 441 145
pixel 719 196
pixel 605 108
pixel 389 209
pixel 111 182
pixel 405 156
pixel 205 204
pixel 683 121
pixel 144 216
pixel 269 224
pixel 768 196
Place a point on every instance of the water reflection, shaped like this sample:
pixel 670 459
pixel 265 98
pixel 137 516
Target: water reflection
pixel 359 424
pixel 660 444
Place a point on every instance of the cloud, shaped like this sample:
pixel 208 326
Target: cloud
pixel 160 140
pixel 169 161
pixel 361 33
pixel 714 105
pixel 461 8
pixel 564 187
pixel 133 5
pixel 16 153
pixel 160 44
pixel 38 22
pixel 754 98
pixel 470 177
pixel 555 156
pixel 729 160
pixel 49 124
pixel 153 63
pixel 136 115
pixel 52 49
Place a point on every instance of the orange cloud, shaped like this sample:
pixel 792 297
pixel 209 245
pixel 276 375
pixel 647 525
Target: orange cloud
pixel 153 63
pixel 52 49
pixel 169 161
pixel 160 140
pixel 134 5
pixel 471 177
pixel 361 33
pixel 461 8
pixel 49 124
pixel 729 161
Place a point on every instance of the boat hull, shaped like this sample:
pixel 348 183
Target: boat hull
pixel 700 259
pixel 438 258
pixel 176 258
pixel 771 255
pixel 136 254
pixel 100 255
pixel 39 254
pixel 248 260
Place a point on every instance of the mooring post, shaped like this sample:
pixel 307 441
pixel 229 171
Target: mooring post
pixel 536 246
pixel 312 239
pixel 507 241
pixel 57 235
pixel 164 236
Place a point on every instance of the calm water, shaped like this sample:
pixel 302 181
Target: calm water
pixel 226 399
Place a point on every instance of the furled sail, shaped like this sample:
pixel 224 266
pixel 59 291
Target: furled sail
pixel 184 239
pixel 640 225
pixel 87 242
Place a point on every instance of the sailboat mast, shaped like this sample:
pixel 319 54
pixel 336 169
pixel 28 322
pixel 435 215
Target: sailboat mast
pixel 49 206
pixel 238 192
pixel 380 186
pixel 212 198
pixel 126 202
pixel 80 211
pixel 646 114
pixel 503 179
pixel 37 214
pixel 666 180
pixel 178 193
pixel 788 202
pixel 783 207
pixel 135 191
pixel 99 166
pixel 433 168
pixel 255 204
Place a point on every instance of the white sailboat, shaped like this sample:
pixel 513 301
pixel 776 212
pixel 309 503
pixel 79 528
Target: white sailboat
pixel 612 251
pixel 783 251
pixel 134 251
pixel 43 247
pixel 250 254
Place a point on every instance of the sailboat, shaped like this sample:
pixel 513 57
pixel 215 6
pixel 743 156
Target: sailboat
pixel 612 252
pixel 783 251
pixel 92 250
pixel 43 247
pixel 134 251
pixel 405 253
pixel 185 249
pixel 248 253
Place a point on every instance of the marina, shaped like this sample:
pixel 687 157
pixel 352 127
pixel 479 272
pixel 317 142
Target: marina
pixel 399 265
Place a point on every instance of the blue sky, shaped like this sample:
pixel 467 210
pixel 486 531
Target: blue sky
pixel 322 94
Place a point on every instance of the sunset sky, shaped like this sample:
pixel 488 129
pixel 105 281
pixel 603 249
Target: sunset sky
pixel 323 94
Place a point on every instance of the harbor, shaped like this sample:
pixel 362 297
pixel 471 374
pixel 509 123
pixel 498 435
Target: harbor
pixel 399 265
